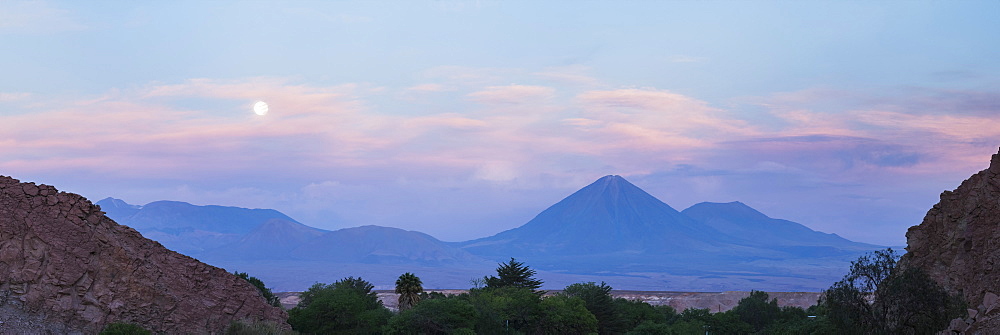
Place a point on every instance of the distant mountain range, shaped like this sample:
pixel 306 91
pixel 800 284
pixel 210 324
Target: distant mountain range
pixel 220 233
pixel 610 230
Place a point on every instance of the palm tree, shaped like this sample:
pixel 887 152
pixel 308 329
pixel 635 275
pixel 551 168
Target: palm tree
pixel 409 288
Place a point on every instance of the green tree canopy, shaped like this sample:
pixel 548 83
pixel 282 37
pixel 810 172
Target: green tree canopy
pixel 409 287
pixel 599 302
pixel 514 274
pixel 878 297
pixel 505 308
pixel 757 311
pixel 347 306
pixel 443 315
pixel 565 315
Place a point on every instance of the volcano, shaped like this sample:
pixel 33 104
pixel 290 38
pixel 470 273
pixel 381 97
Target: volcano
pixel 609 216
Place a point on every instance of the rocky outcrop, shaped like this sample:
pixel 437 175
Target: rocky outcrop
pixel 958 243
pixel 67 268
pixel 984 319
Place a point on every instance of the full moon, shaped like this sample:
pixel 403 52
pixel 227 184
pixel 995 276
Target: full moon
pixel 260 108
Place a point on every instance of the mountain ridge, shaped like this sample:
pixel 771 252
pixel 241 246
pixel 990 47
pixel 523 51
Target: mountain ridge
pixel 610 227
pixel 616 216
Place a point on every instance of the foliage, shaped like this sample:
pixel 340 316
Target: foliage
pixel 700 321
pixel 431 295
pixel 565 315
pixel 917 304
pixel 728 323
pixel 756 311
pixel 347 306
pixel 632 313
pixel 121 328
pixel 252 327
pixel 652 328
pixel 600 303
pixel 877 297
pixel 888 300
pixel 409 287
pixel 265 292
pixel 356 284
pixel 445 315
pixel 513 274
pixel 505 308
pixel 306 298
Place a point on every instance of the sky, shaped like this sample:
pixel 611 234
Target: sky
pixel 462 119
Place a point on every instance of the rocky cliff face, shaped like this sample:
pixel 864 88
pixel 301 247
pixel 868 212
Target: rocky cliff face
pixel 67 268
pixel 958 243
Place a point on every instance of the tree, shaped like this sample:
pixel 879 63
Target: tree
pixel 632 313
pixel 505 308
pixel 565 315
pixel 358 285
pixel 877 297
pixel 445 315
pixel 757 311
pixel 599 302
pixel 916 303
pixel 514 274
pixel 794 320
pixel 265 292
pixel 347 306
pixel 408 286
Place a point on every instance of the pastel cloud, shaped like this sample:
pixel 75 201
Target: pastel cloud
pixel 144 128
pixel 952 141
pixel 631 130
pixel 653 121
pixel 331 140
pixel 12 96
pixel 36 17
pixel 513 94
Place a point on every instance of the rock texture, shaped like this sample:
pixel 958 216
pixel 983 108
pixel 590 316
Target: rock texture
pixel 67 268
pixel 958 245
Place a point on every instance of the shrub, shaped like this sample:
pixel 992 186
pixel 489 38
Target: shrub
pixel 122 328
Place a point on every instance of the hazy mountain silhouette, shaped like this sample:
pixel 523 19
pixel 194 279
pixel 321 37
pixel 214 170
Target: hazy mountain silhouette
pixel 118 208
pixel 608 229
pixel 611 225
pixel 610 215
pixel 226 234
pixel 176 216
pixel 739 220
pixel 187 228
pixel 382 245
pixel 271 240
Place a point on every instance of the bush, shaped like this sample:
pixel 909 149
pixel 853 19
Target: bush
pixel 565 315
pixel 757 311
pixel 249 327
pixel 514 308
pixel 599 302
pixel 121 328
pixel 877 297
pixel 435 316
pixel 346 306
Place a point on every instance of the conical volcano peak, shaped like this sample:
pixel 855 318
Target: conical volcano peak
pixel 609 190
pixel 613 183
pixel 612 178
pixel 609 215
